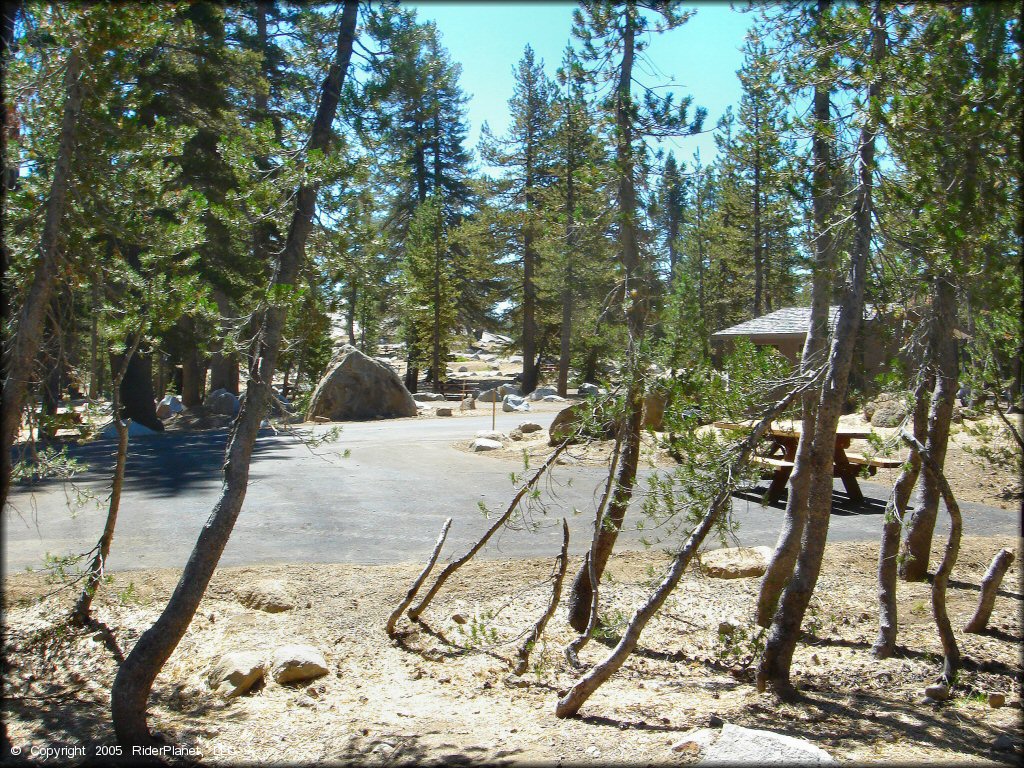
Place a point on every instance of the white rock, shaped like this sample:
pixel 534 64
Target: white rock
pixel 513 403
pixel 292 663
pixel 747 746
pixel 428 397
pixel 553 399
pixel 483 444
pixel 736 562
pixel 270 595
pixel 236 672
pixel 541 392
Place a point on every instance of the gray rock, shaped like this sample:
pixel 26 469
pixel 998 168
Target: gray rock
pixel 939 692
pixel 509 389
pixel 528 426
pixel 134 430
pixel 747 746
pixel 268 595
pixel 356 387
pixel 223 402
pixel 488 396
pixel 483 444
pixel 295 663
pixel 553 399
pixel 236 672
pixel 467 404
pixel 736 562
pixel 567 421
pixel 541 392
pixel 428 397
pixel 587 389
pixel 512 403
pixel 463 369
pixel 886 410
pixel 516 434
pixel 1004 743
pixel 443 411
pixel 169 406
pixel 490 434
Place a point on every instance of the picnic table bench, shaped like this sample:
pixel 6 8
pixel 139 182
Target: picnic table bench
pixel 781 458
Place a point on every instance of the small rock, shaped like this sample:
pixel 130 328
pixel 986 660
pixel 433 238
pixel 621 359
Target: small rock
pixel 939 691
pixel 463 369
pixel 728 627
pixel 467 404
pixel 483 444
pixel 427 397
pixel 490 434
pixel 1003 742
pixel 815 659
pixel 512 403
pixel 588 390
pixel 268 595
pixel 553 399
pixel 295 663
pixel 235 673
pixel 443 411
pixel 516 434
pixel 736 562
pixel 528 426
pixel 714 721
pixel 458 618
pixel 996 700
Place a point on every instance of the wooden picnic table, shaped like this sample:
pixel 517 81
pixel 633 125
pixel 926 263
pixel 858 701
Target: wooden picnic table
pixel 781 456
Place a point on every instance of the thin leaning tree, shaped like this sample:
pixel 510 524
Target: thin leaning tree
pixel 614 37
pixel 136 675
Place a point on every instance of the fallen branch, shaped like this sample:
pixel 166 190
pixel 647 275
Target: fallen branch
pixel 949 646
pixel 393 618
pixel 570 704
pixel 523 656
pixel 452 567
pixel 989 586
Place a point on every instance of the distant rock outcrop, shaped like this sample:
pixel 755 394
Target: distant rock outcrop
pixel 357 387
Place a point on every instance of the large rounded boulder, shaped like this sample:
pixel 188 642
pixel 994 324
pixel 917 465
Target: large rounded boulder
pixel 357 387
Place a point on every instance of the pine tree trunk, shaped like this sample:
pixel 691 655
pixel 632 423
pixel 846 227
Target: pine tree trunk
pixel 780 569
pixel 918 544
pixel 885 644
pixel 636 300
pixel 774 669
pixel 135 677
pixel 23 347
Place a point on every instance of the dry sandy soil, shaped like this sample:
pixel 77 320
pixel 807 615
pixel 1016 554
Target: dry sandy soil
pixel 443 693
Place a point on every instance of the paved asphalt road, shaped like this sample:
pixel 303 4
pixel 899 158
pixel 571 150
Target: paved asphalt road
pixel 385 502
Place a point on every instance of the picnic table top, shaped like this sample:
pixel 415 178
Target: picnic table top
pixel 787 428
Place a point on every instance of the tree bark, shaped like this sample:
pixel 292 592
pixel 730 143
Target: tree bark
pixel 780 569
pixel 137 673
pixel 571 702
pixel 895 510
pixel 918 544
pixel 82 611
pixel 774 669
pixel 950 650
pixel 635 298
pixel 23 347
pixel 989 587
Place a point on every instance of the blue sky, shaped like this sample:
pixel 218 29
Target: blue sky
pixel 487 39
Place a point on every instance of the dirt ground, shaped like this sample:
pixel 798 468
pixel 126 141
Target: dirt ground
pixel 443 693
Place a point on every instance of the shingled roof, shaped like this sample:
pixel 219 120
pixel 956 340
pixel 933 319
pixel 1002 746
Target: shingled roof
pixel 788 321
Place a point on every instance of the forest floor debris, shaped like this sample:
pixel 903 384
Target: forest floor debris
pixel 444 693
